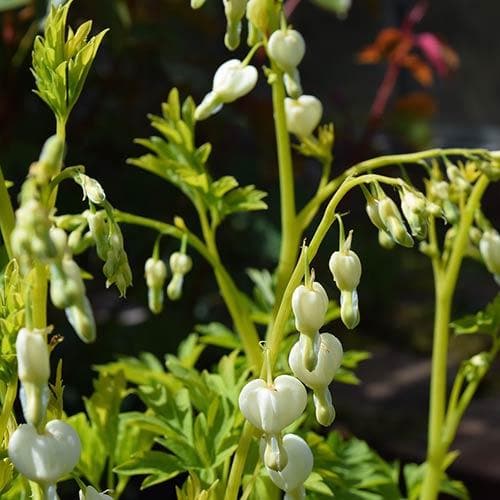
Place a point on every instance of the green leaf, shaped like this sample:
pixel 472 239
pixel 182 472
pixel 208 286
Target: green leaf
pixel 486 321
pixel 219 335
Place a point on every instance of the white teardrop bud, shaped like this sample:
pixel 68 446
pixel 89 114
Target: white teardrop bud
pixel 345 267
pixel 32 357
pixel 489 246
pixel 286 48
pixel 180 263
pixel 309 305
pixel 92 494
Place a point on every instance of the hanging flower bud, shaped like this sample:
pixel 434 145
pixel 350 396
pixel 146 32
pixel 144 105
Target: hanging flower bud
pixel 325 411
pixel 298 468
pixel 180 263
pixel 273 407
pixel 303 114
pixel 231 81
pixel 414 208
pixel 349 309
pixel 393 222
pixel 489 246
pixel 66 283
pixel 32 357
pixel 91 189
pixel 457 178
pixel 155 272
pixel 275 456
pixel 309 305
pixel 174 288
pixel 286 48
pixel 195 4
pixel 234 10
pixel 329 355
pixel 98 227
pixel 46 457
pixel 385 241
pixel 258 15
pixel 50 161
pixel 82 320
pixel 60 241
pixel 116 268
pixel 292 83
pixel 345 267
pixel 92 494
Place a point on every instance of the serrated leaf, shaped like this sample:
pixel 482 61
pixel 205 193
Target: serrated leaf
pixel 219 335
pixel 151 462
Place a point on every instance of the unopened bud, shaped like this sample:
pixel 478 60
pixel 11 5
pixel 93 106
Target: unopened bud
pixel 91 189
pixel 275 457
pixel 258 15
pixel 82 320
pixel 155 272
pixel 50 161
pixel 292 83
pixel 100 232
pixel 234 10
pixel 385 240
pixel 325 411
pixel 66 284
pixel 286 48
pixel 309 305
pixel 393 222
pixel 346 267
pixel 32 357
pixel 180 263
pixel 349 310
pixel 174 288
pixel 489 246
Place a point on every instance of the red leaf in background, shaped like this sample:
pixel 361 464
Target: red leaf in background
pixel 442 57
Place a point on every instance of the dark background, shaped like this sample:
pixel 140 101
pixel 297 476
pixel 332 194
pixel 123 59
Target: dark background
pixel 165 44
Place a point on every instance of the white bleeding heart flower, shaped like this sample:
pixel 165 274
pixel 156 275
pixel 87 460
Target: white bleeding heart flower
pixel 309 305
pixel 286 48
pixel 329 357
pixel 298 468
pixel 92 494
pixel 47 457
pixel 303 114
pixel 232 80
pixel 345 267
pixel 271 408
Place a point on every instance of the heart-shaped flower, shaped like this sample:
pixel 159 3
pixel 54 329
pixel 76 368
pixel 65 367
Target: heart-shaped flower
pixel 286 48
pixel 46 457
pixel 271 408
pixel 303 114
pixel 299 466
pixel 233 80
pixel 330 355
pixel 345 267
pixel 309 305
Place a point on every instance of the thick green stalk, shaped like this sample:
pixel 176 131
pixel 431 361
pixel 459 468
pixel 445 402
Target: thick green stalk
pixel 445 288
pixel 289 232
pixel 7 219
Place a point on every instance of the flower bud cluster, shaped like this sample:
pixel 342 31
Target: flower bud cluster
pixel 345 267
pixel 30 238
pixel 314 358
pixel 180 265
pixel 232 80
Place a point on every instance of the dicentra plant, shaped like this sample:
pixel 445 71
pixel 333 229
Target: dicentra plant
pixel 247 428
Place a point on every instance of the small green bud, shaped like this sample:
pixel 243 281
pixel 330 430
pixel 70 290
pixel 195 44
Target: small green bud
pixel 196 4
pixel 275 456
pixel 457 178
pixel 82 320
pixel 258 14
pixel 325 411
pixel 99 229
pixel 414 208
pixel 349 310
pixel 393 222
pixel 60 240
pixel 385 240
pixel 66 284
pixel 155 272
pixel 292 83
pixel 91 189
pixel 372 212
pixel 234 10
pixel 50 161
pixel 254 36
pixel 451 212
pixel 174 288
